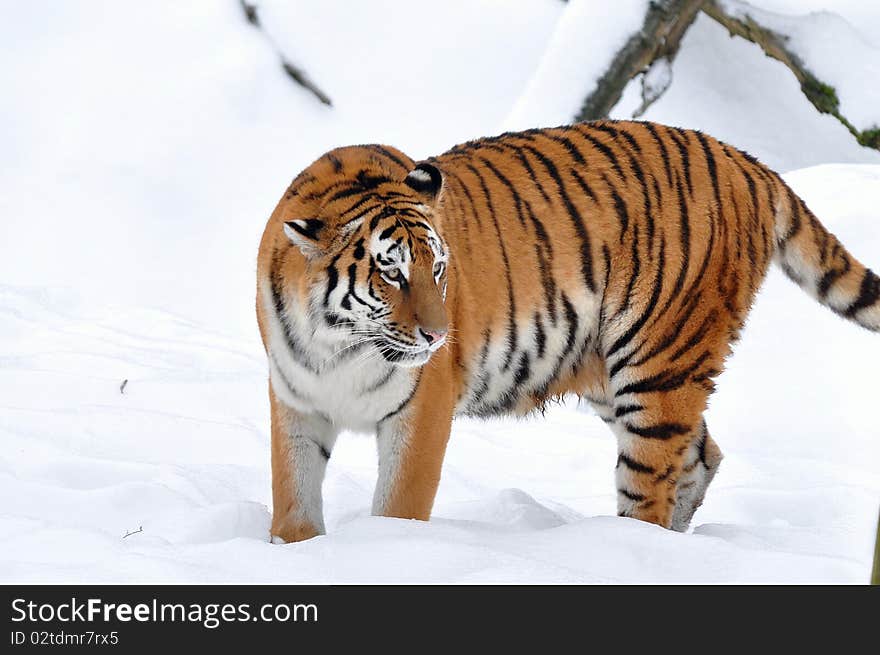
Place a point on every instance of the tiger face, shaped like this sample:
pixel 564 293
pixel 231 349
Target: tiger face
pixel 376 265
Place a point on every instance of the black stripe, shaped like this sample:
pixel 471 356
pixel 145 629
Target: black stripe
pixel 357 205
pixel 297 352
pixel 381 382
pixel 389 155
pixel 311 228
pixel 523 371
pixel 577 222
pixel 534 178
pixel 582 183
pixel 664 153
pixel 352 276
pixel 540 336
pixel 293 390
pixel 674 332
pixel 633 465
pixel 566 143
pixel 831 276
pixel 482 386
pixel 662 431
pixel 710 164
pixel 665 381
pixel 517 200
pixel 469 197
pixel 665 474
pixel 323 450
pixel 636 268
pixel 675 135
pixel 337 165
pixel 869 293
pixel 701 449
pixel 631 495
pixel 629 139
pixel 511 310
pixel 332 279
pixel 547 280
pixel 571 320
pixel 606 151
pixel 685 231
pixel 697 336
pixel 369 182
pixel 646 195
pixel 625 338
pixel 621 210
pixel 623 410
pixel 795 211
pixel 352 190
pixel 405 402
pixel 370 289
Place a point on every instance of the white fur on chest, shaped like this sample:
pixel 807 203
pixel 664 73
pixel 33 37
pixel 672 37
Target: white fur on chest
pixel 313 370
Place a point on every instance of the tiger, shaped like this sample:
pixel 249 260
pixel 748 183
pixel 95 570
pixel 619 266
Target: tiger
pixel 612 260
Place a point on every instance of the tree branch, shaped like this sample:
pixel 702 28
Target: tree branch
pixel 738 20
pixel 666 22
pixel 293 72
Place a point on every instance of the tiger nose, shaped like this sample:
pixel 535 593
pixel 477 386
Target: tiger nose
pixel 433 336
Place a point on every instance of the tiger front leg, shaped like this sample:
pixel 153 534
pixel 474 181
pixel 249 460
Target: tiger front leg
pixel 301 446
pixel 411 446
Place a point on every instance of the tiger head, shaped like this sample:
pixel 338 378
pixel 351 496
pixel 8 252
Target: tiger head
pixel 363 218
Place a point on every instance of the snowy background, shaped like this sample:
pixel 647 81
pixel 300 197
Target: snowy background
pixel 142 147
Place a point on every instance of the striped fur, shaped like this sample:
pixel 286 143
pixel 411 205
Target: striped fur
pixel 614 260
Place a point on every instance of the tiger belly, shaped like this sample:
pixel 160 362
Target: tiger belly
pixel 518 367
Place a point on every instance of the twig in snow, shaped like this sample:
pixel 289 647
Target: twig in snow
pixel 122 386
pixel 128 534
pixel 300 78
pixel 250 12
pixel 293 72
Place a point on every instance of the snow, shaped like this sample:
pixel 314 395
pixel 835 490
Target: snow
pixel 145 144
pixel 155 130
pixel 586 38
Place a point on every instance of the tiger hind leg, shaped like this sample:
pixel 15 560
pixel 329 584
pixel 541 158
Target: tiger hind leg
pixel 660 475
pixel 702 459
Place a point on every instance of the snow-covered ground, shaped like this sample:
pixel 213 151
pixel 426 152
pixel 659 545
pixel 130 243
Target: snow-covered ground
pixel 144 144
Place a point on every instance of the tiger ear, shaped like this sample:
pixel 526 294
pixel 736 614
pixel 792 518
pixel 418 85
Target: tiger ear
pixel 425 179
pixel 305 233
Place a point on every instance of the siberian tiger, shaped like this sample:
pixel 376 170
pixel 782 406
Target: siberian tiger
pixel 612 260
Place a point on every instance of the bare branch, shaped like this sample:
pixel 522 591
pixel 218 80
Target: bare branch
pixel 666 22
pixel 299 76
pixel 740 22
pixel 250 12
pixel 293 72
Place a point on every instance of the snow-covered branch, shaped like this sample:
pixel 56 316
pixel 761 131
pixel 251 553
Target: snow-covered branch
pixel 741 19
pixel 652 48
